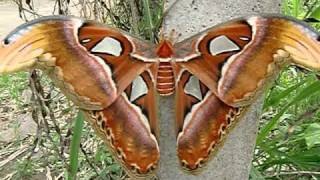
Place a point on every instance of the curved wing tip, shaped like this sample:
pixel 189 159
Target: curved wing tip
pixel 284 17
pixel 26 26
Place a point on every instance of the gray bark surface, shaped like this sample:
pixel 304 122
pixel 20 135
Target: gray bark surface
pixel 233 159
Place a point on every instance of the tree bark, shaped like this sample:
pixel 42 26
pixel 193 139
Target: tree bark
pixel 233 159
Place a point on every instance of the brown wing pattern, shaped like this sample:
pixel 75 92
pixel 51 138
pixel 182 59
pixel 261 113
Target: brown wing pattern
pixel 202 121
pixel 233 62
pixel 112 76
pixel 55 44
pixel 94 66
pixel 124 67
pixel 129 128
pixel 235 59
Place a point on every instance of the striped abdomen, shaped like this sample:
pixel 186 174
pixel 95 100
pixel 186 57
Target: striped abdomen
pixel 165 79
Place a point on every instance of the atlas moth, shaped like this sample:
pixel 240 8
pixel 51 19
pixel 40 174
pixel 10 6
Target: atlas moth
pixel 114 78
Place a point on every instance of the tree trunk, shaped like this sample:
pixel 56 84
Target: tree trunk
pixel 233 160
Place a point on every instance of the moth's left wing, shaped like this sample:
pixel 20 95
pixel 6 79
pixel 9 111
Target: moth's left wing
pixel 235 59
pixel 103 71
pixel 90 62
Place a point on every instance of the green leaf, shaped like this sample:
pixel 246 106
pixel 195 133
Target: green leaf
pixel 75 146
pixel 312 135
pixel 315 13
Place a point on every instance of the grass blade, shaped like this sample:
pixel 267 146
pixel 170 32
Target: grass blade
pixel 286 9
pixel 146 6
pixel 295 7
pixel 275 99
pixel 75 144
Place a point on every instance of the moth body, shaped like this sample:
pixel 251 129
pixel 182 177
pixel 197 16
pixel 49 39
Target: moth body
pixel 165 76
pixel 165 79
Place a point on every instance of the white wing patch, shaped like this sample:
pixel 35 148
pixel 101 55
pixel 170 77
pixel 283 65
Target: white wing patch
pixel 244 38
pixel 85 40
pixel 139 88
pixel 222 44
pixel 108 45
pixel 193 87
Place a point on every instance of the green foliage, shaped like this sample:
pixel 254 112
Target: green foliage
pixel 303 93
pixel 151 20
pixel 301 9
pixel 14 86
pixel 25 169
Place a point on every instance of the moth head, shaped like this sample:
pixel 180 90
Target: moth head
pixel 165 49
